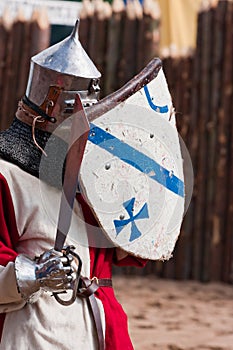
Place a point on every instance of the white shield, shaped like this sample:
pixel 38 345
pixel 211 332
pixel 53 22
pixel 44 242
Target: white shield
pixel 132 173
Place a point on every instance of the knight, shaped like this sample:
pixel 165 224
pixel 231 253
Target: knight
pixel 122 178
pixel 31 270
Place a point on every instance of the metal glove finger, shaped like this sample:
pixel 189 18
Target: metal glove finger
pixel 56 283
pixel 48 255
pixel 65 283
pixel 69 278
pixel 66 259
pixel 68 270
pixel 68 286
pixel 52 263
pixel 62 280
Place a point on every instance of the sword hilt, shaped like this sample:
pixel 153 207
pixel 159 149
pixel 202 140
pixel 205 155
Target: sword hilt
pixel 69 250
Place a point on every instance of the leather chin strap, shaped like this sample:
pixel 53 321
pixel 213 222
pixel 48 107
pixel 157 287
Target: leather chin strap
pixel 27 115
pixel 87 289
pixel 28 110
pixel 37 110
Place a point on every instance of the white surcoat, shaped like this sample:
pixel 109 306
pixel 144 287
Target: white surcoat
pixel 44 324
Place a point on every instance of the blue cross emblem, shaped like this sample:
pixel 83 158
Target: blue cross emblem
pixel 142 214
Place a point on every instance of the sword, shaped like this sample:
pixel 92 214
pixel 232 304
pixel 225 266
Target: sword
pixel 77 142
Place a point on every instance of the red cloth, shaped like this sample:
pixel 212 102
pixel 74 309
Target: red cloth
pixel 102 259
pixel 8 231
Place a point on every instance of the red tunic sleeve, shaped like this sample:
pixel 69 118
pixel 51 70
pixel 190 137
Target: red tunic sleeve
pixel 8 230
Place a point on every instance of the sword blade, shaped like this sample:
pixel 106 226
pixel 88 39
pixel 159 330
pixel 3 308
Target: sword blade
pixel 78 138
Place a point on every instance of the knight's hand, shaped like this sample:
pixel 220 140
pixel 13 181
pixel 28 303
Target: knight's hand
pixel 52 272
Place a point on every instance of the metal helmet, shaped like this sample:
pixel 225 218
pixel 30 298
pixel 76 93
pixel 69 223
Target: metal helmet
pixel 56 75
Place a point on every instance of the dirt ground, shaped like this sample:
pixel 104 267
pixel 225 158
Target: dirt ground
pixel 175 315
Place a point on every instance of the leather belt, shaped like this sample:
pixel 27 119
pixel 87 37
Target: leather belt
pixel 86 290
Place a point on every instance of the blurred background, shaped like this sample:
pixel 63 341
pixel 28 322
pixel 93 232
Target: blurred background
pixel 194 40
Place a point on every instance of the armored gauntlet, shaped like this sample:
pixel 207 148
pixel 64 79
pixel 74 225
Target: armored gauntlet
pixel 52 272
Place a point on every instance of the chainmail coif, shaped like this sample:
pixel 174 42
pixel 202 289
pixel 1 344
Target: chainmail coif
pixel 17 146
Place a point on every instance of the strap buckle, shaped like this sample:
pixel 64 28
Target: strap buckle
pixel 95 279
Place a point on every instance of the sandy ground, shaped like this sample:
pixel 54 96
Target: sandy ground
pixel 174 315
